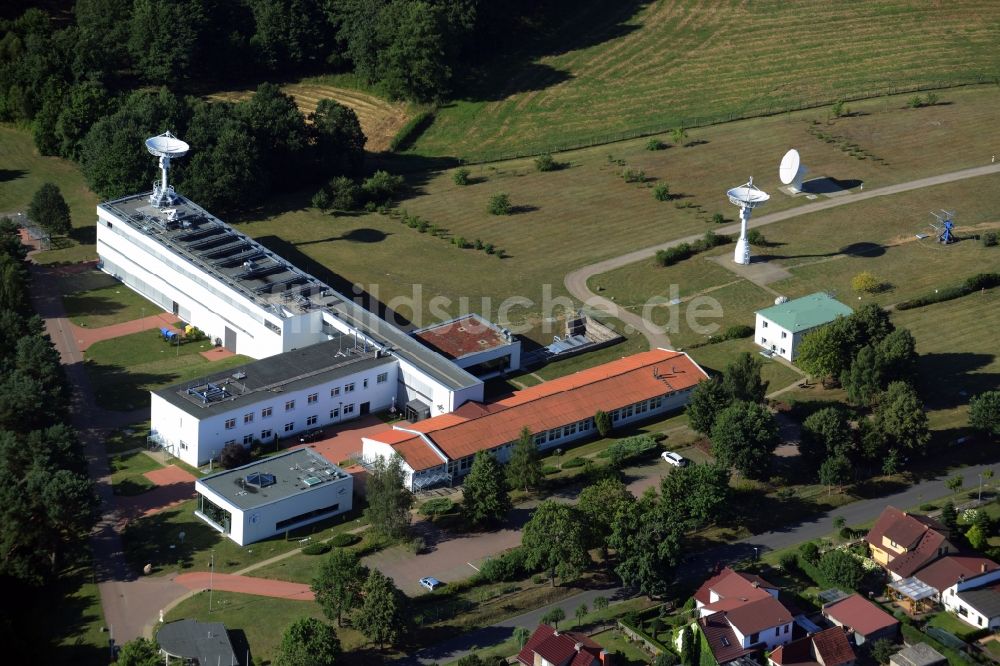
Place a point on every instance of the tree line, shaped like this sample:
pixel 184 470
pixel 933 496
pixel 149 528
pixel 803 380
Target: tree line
pixel 47 501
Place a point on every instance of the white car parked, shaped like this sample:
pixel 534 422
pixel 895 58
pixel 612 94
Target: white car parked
pixel 430 583
pixel 674 459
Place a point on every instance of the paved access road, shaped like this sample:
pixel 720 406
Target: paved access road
pixel 698 565
pixel 576 281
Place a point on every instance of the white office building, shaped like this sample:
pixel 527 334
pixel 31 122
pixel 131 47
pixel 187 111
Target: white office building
pixel 273 496
pixel 253 302
pixel 280 396
pixel 781 328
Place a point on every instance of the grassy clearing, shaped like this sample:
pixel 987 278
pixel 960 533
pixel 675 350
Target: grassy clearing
pixel 716 357
pixel 24 171
pixel 625 652
pixel 950 623
pixel 123 370
pixel 127 473
pixel 127 439
pixel 148 541
pixel 104 306
pixel 380 119
pixel 617 68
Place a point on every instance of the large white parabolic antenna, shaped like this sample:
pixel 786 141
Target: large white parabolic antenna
pixel 791 170
pixel 747 197
pixel 166 146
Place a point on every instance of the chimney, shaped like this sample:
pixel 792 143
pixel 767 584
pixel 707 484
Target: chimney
pixel 578 646
pixel 982 567
pixel 605 658
pixel 756 584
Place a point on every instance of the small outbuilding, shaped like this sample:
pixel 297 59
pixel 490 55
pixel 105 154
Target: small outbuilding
pixel 866 621
pixel 781 327
pixel 918 654
pixel 201 643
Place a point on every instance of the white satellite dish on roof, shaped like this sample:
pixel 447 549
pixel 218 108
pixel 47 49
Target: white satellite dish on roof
pixel 791 171
pixel 747 197
pixel 166 146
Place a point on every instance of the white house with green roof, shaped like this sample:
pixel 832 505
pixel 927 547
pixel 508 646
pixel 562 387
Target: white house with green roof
pixel 780 328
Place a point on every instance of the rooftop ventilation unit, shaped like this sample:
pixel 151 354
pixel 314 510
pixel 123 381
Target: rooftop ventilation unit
pixel 261 479
pixel 312 481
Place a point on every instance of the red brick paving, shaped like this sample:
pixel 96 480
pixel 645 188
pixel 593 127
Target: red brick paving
pixel 169 475
pixel 346 439
pixel 263 587
pixel 217 353
pixel 173 486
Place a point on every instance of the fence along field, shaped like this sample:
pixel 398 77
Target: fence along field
pixel 695 62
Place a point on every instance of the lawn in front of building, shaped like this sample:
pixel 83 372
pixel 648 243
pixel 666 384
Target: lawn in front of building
pixel 103 306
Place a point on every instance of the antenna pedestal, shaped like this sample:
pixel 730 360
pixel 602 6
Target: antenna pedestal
pixel 742 253
pixel 746 197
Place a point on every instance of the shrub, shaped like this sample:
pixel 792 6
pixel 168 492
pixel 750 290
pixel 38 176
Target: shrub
pixel 460 242
pixel 548 470
pixel 499 204
pixel 928 507
pixel 789 562
pixel 478 244
pixel 755 237
pixel 839 109
pixel 381 187
pixel 409 132
pixel 316 549
pixel 630 175
pixel 344 539
pixel 738 331
pixel 841 569
pixel 989 239
pixel 719 218
pixel 544 162
pixel 709 240
pixel 573 462
pixel 417 545
pixel 865 282
pixel 508 566
pixel 489 248
pixel 810 552
pixel 661 192
pixel 665 659
pixel 915 102
pixel 931 99
pixel 234 455
pixel 436 506
pixel 461 176
pixel 974 283
pixel 628 449
pixel 672 255
pixel 655 144
pixel 321 199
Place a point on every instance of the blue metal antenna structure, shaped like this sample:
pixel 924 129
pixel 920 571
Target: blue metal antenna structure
pixel 945 226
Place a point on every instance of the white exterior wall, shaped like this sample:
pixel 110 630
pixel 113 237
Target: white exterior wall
pixel 372 449
pixel 767 636
pixel 164 278
pixel 513 349
pixel 260 522
pixel 951 602
pixel 781 341
pixel 204 437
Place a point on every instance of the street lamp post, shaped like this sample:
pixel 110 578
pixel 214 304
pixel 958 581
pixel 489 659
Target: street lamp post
pixel 211 580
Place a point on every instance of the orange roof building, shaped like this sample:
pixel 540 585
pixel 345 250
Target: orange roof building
pixel 557 412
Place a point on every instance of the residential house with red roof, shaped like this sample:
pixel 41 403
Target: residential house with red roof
pixel 551 647
pixel 635 388
pixel 865 621
pixel 903 543
pixel 740 613
pixel 829 647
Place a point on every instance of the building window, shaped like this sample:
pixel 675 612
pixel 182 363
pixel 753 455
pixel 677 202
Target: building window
pixel 763 340
pixel 265 413
pixel 539 439
pixel 230 424
pixel 787 627
pixel 248 418
pixel 763 324
pixel 290 405
pixel 784 335
pixel 335 391
pixel 272 326
pixel 382 378
pixel 312 398
pixel 289 426
pixel 555 434
pixel 364 384
pixel 247 440
pixel 962 611
pixel 335 413
pixel 782 350
pixel 311 421
pixel 348 388
pixel 349 408
pixel 265 434
pixel 228 442
pixel 777 631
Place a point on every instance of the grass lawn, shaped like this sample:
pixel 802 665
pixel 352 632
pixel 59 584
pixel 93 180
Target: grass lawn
pixel 113 304
pixel 127 473
pixel 123 370
pixel 950 623
pixel 625 653
pixel 716 357
pixel 24 171
pixel 618 67
pixel 127 439
pixel 149 540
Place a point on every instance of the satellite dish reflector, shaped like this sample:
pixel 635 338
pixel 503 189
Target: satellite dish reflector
pixel 791 170
pixel 166 145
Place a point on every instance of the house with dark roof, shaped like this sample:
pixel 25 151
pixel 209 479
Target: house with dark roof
pixel 903 543
pixel 918 654
pixel 955 574
pixel 829 647
pixel 863 620
pixel 980 606
pixel 551 647
pixel 740 613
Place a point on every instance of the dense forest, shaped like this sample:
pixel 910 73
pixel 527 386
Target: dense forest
pixel 94 77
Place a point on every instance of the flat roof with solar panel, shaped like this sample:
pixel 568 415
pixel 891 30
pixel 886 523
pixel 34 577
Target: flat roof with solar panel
pixel 273 479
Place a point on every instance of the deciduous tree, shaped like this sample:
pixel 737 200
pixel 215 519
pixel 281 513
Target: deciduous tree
pixel 389 501
pixel 825 433
pixel 696 494
pixel 901 418
pixel 308 642
pixel 139 652
pixel 338 582
pixel 707 399
pixel 648 544
pixel 835 471
pixel 555 540
pixel 742 379
pixel 49 209
pixel 524 469
pixel 744 437
pixel 340 143
pixel 383 616
pixel 984 412
pixel 863 380
pixel 841 569
pixel 485 498
pixel 600 504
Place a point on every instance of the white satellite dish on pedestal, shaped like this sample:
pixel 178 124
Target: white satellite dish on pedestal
pixel 747 197
pixel 166 146
pixel 791 171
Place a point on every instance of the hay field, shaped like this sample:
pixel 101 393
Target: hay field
pixel 380 119
pixel 618 67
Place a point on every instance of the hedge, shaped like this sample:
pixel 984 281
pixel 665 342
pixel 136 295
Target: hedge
pixel 316 549
pixel 973 284
pixel 630 447
pixel 672 255
pixel 409 132
pixel 573 462
pixel 344 539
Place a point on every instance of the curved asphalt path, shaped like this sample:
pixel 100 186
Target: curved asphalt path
pixel 576 281
pixel 698 565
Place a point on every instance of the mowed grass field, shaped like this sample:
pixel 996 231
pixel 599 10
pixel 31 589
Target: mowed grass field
pixel 618 67
pixel 380 119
